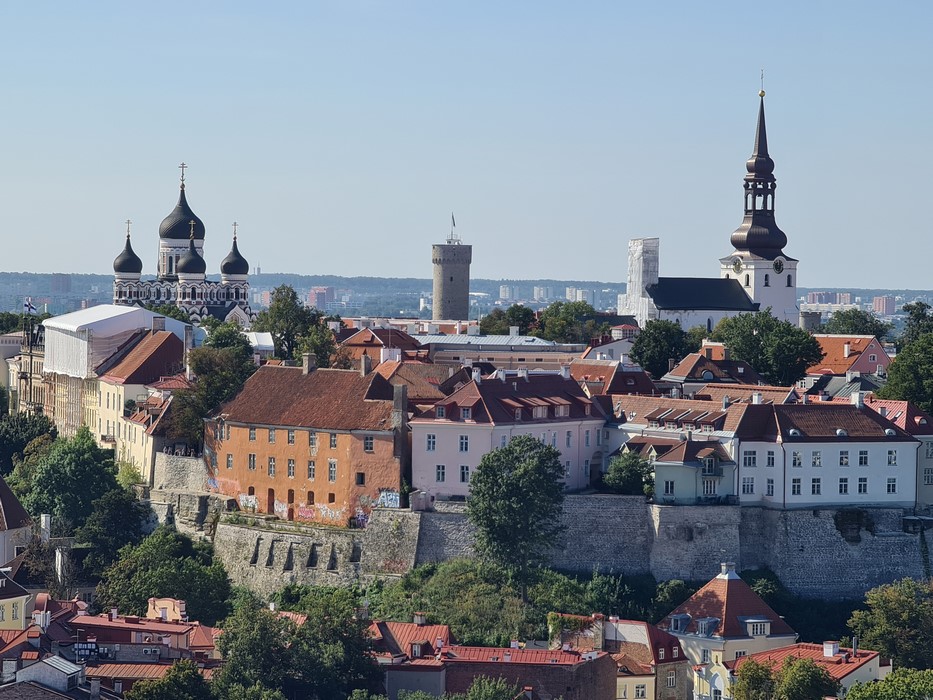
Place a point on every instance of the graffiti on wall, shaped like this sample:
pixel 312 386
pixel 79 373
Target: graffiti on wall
pixel 332 514
pixel 360 518
pixel 248 502
pixel 388 498
pixel 280 509
pixel 306 513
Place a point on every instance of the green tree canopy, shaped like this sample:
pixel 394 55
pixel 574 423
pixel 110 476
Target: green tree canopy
pixel 919 322
pixel 228 335
pixel 167 564
pixel 898 622
pixel 803 679
pixel 658 343
pixel 910 374
pixel 629 474
pixel 486 688
pixel 73 474
pixel 778 350
pixel 183 681
pixel 516 498
pixel 901 684
pixel 569 322
pixel 856 322
pixel 169 311
pixel 255 648
pixel 116 520
pixel 287 319
pixel 16 432
pixel 498 322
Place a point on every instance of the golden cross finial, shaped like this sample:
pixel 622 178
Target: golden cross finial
pixel 183 167
pixel 761 93
pixel 192 229
pixel 234 229
pixel 128 222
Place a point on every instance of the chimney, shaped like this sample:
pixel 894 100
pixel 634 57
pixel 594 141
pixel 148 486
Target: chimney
pixel 501 375
pixel 45 527
pixel 854 646
pixel 366 364
pixel 671 363
pixel 400 406
pixel 158 324
pixel 756 398
pixel 858 399
pixel 726 568
pixel 113 614
pixel 565 371
pixel 95 689
pixel 830 649
pixel 725 354
pixel 725 402
pixel 390 354
pixel 805 399
pixel 883 411
pixel 421 619
pixel 523 373
pixel 513 330
pixel 308 362
pixel 846 349
pixel 707 352
pixel 477 375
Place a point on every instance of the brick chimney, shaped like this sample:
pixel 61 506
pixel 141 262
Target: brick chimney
pixel 308 362
pixel 366 365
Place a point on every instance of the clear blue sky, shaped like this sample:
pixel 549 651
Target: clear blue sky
pixel 340 135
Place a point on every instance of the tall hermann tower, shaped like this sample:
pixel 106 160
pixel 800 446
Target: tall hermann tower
pixel 451 278
pixel 766 274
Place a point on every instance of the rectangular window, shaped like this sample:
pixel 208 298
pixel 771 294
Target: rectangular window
pixel 312 467
pixel 332 470
pixel 271 435
pixel 586 438
pixel 464 474
pixel 843 486
pixel 927 476
pixel 368 443
pixel 15 611
pixel 465 413
pixel 795 487
pixel 252 434
pixel 863 458
pixel 333 441
pixel 770 458
pixel 769 486
pixel 816 487
pixel 440 473
pixel 271 466
pixel 360 479
pixel 668 488
pixel 430 442
pixel 229 461
pixel 748 485
pixel 892 458
pixel 554 439
pixel 291 469
pixel 641 691
pixel 704 656
pixel 599 438
pixel 843 458
pixel 710 487
pixel 252 462
pixel 759 629
pixel 675 652
pixel 312 440
pixel 749 458
pixel 518 414
pixel 892 484
pixel 440 411
pixel 569 438
pixel 464 443
pixel 929 450
pixel 291 437
pixel 672 679
pixel 816 459
pixel 797 459
pixel 863 484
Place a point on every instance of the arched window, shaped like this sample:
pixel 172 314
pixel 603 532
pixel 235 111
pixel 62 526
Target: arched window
pixel 790 282
pixel 747 279
pixel 767 280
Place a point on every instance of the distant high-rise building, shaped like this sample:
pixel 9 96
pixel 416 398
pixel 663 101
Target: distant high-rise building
pixel 821 298
pixel 507 292
pixel 451 279
pixel 843 297
pixel 543 293
pixel 320 297
pixel 884 306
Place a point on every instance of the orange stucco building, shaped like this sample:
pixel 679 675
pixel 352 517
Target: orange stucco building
pixel 313 445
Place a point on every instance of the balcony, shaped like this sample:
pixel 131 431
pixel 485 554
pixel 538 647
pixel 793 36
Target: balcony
pixel 715 470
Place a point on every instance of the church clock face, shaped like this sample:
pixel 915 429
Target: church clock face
pixel 737 265
pixel 779 266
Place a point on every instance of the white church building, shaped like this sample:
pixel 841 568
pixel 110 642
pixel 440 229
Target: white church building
pixel 757 274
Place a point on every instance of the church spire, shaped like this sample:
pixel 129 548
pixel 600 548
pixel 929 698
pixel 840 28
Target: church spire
pixel 759 234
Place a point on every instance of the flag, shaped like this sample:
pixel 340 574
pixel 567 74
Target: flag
pixel 453 221
pixel 28 308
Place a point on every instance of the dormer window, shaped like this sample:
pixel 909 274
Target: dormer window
pixel 758 629
pixel 705 628
pixel 440 411
pixel 675 652
pixel 661 654
pixel 465 413
pixel 539 411
pixel 518 414
pixel 679 623
pixel 562 411
pixel 415 650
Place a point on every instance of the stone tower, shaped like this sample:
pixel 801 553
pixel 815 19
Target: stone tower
pixel 766 273
pixel 451 279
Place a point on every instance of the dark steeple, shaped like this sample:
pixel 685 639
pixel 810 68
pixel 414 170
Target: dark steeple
pixel 128 262
pixel 176 224
pixel 191 263
pixel 234 263
pixel 759 234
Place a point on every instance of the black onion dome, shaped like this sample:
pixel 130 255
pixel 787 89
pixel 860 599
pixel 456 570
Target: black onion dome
pixel 128 262
pixel 177 225
pixel 234 263
pixel 191 263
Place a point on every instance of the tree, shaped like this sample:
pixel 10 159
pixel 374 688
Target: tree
pixel 287 319
pixel 657 344
pixel 778 350
pixel 898 622
pixel 910 374
pixel 170 311
pixel 902 684
pixel 319 340
pixel 569 322
pixel 753 682
pixel 802 679
pixel 856 322
pixel 167 564
pixel 116 520
pixel 255 648
pixel 629 474
pixel 229 335
pixel 516 498
pixel 182 681
pixel 16 432
pixel 919 322
pixel 73 474
pixel 498 322
pixel 486 688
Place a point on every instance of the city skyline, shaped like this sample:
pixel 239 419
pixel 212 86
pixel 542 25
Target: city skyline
pixel 548 131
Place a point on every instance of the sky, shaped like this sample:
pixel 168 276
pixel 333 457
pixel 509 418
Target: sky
pixel 341 135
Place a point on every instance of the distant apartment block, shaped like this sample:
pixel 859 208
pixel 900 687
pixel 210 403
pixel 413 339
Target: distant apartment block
pixel 884 306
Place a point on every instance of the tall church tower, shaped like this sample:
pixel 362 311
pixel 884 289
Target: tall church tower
pixel 451 278
pixel 766 274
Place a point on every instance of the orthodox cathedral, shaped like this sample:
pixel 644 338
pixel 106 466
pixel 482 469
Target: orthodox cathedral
pixel 180 277
pixel 757 275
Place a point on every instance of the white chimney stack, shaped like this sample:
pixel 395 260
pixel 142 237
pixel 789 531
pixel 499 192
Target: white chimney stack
pixel 846 349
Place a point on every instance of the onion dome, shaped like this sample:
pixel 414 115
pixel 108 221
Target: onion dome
pixel 177 225
pixel 234 263
pixel 191 263
pixel 127 262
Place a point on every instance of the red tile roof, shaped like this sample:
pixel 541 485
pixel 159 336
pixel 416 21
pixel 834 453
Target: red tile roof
pixel 744 392
pixel 728 599
pixel 838 666
pixel 903 414
pixel 154 356
pixel 821 421
pixel 396 638
pixel 610 377
pixel 422 379
pixel 515 656
pixel 173 382
pixel 834 352
pixel 136 672
pixel 335 399
pixel 695 366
